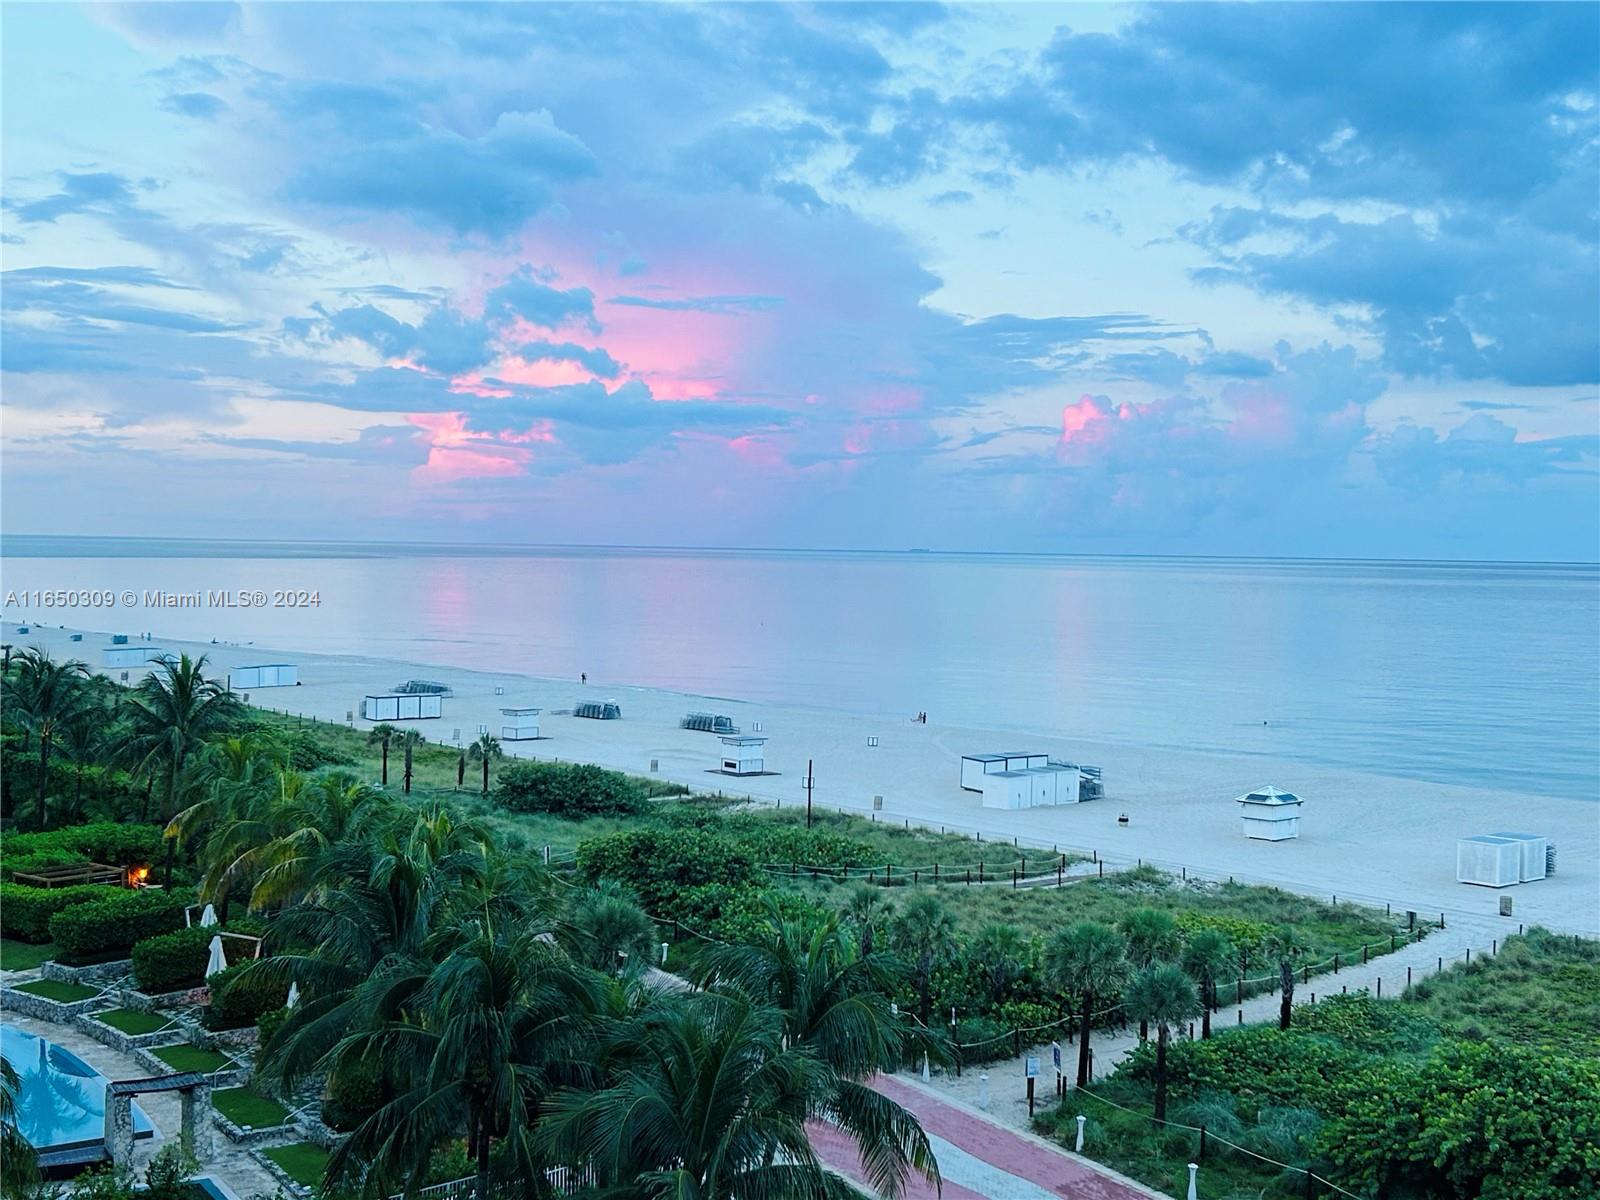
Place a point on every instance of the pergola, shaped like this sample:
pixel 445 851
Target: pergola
pixel 195 1123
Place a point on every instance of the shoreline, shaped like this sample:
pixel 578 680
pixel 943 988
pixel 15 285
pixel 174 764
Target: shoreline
pixel 1374 838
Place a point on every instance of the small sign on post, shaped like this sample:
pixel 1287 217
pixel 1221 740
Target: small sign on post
pixel 1031 1066
pixel 1055 1058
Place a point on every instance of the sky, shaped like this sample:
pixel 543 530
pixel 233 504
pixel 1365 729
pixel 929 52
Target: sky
pixel 1306 280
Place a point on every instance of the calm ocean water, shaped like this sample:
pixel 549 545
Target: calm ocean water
pixel 1482 674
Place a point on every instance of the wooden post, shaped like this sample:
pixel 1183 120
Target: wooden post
pixel 810 782
pixel 1030 1095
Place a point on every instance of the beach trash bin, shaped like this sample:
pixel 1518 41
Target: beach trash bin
pixel 1505 906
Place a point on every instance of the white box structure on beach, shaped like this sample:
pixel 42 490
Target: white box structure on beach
pixel 401 706
pixel 744 756
pixel 130 656
pixel 1032 787
pixel 975 766
pixel 1488 861
pixel 1270 815
pixel 245 679
pixel 1531 854
pixel 519 724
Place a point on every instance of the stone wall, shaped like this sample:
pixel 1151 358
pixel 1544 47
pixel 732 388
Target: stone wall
pixel 93 973
pixel 42 1008
pixel 108 1035
pixel 183 998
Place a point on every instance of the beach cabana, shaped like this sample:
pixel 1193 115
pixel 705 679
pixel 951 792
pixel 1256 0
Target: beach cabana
pixel 264 675
pixel 130 656
pixel 424 687
pixel 975 766
pixel 397 706
pixel 1488 861
pixel 1530 854
pixel 1031 787
pixel 1270 815
pixel 598 710
pixel 744 756
pixel 519 724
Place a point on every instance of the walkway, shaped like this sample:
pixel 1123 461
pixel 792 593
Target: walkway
pixel 1007 1090
pixel 980 1159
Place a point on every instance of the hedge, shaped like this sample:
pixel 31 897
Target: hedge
pixel 116 923
pixel 238 1000
pixel 25 912
pixel 170 961
pixel 661 865
pixel 101 841
pixel 567 789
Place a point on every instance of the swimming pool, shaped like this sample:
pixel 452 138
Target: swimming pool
pixel 61 1100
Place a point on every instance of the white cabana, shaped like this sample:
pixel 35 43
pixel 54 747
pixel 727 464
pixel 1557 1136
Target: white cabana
pixel 218 961
pixel 208 916
pixel 1488 861
pixel 1530 854
pixel 244 679
pixel 744 756
pixel 130 656
pixel 402 706
pixel 519 724
pixel 1032 787
pixel 975 766
pixel 1270 815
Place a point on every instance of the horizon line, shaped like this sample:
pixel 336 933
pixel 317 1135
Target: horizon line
pixel 512 548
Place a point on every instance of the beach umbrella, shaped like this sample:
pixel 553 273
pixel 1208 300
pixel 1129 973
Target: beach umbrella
pixel 294 995
pixel 209 916
pixel 218 960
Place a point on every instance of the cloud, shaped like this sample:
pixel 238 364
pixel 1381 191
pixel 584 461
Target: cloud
pixel 721 305
pixel 81 191
pixel 202 106
pixel 1482 447
pixel 391 163
pixel 592 359
pixel 376 445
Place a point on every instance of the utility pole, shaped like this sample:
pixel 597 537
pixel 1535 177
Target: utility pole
pixel 809 783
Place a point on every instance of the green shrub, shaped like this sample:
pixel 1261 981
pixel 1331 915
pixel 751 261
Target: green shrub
pixel 567 789
pixel 238 1000
pixel 170 961
pixel 355 1090
pixel 40 860
pixel 112 842
pixel 983 1040
pixel 25 912
pixel 268 1024
pixel 660 865
pixel 116 923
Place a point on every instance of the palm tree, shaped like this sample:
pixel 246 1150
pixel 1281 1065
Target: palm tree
pixel 82 738
pixel 1152 937
pixel 868 908
pixel 474 1042
pixel 486 748
pixel 1289 945
pixel 1163 996
pixel 1089 961
pixel 409 741
pixel 1001 952
pixel 1207 954
pixel 380 735
pixel 605 928
pixel 835 1002
pixel 43 696
pixel 925 933
pixel 711 1105
pixel 170 715
pixel 18 1161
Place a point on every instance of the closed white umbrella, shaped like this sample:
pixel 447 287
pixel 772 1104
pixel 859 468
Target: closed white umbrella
pixel 218 960
pixel 294 995
pixel 209 916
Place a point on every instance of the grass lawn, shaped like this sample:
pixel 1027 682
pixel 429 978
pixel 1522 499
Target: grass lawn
pixel 247 1108
pixel 191 1058
pixel 64 993
pixel 301 1161
pixel 132 1021
pixel 24 956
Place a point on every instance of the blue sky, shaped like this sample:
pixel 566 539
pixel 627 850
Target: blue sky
pixel 1271 279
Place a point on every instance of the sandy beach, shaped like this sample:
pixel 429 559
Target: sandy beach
pixel 1364 837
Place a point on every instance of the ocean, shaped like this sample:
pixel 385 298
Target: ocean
pixel 1485 674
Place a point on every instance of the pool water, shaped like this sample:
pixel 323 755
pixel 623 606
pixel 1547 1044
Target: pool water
pixel 61 1100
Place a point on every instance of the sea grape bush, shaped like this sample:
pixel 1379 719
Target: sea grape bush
pixel 116 923
pixel 25 912
pixel 568 789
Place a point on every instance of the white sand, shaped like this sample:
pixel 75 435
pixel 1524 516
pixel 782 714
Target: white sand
pixel 1367 837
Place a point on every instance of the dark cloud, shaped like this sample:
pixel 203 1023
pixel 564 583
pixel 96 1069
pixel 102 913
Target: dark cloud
pixel 594 360
pixel 85 191
pixel 724 305
pixel 202 106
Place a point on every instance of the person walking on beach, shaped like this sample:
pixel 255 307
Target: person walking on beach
pixel 583 677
